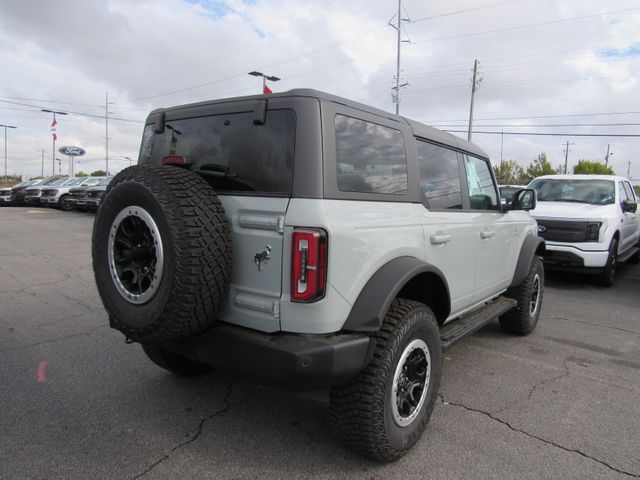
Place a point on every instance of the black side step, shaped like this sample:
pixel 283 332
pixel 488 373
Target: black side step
pixel 460 328
pixel 628 254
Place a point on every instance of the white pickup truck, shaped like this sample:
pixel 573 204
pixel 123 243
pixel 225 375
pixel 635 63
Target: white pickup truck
pixel 589 223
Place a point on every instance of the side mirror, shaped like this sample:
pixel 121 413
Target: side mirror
pixel 524 199
pixel 629 206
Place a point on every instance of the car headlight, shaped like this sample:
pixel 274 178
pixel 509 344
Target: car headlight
pixel 593 231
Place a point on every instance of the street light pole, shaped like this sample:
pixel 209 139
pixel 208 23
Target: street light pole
pixel 271 78
pixel 5 147
pixel 53 136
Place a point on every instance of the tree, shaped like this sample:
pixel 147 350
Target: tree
pixel 592 167
pixel 82 174
pixel 508 172
pixel 540 166
pixel 99 173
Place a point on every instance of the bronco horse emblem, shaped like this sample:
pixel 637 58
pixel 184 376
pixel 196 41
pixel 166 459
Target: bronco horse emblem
pixel 262 257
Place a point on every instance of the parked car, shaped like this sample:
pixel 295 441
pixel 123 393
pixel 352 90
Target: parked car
pixel 5 196
pixel 33 193
pixel 312 240
pixel 59 195
pixel 18 191
pixel 79 193
pixel 94 195
pixel 507 192
pixel 589 223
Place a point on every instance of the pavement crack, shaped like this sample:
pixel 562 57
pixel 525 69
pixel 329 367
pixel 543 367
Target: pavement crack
pixel 535 387
pixel 609 327
pixel 493 417
pixel 226 405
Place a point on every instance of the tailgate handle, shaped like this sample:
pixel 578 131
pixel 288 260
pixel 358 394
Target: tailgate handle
pixel 440 238
pixel 486 234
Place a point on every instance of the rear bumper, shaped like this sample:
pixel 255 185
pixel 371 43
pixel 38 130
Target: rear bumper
pixel 281 358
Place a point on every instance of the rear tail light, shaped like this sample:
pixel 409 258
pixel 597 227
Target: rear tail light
pixel 176 160
pixel 309 265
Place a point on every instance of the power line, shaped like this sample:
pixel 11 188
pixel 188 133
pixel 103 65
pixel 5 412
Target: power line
pixel 468 10
pixel 84 114
pixel 543 116
pixel 549 125
pixel 546 134
pixel 530 25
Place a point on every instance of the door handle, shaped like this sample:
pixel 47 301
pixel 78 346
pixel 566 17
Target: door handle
pixel 440 238
pixel 486 234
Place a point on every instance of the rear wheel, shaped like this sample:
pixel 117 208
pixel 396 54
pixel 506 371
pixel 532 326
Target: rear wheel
pixel 161 254
pixel 173 362
pixel 383 411
pixel 608 275
pixel 523 318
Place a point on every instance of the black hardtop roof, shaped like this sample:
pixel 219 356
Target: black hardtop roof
pixel 419 129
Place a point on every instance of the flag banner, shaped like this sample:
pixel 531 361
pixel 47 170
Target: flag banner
pixel 266 89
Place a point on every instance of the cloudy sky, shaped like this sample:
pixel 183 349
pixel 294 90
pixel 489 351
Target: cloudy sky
pixel 562 67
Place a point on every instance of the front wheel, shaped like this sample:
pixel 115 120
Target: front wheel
pixel 608 274
pixel 65 204
pixel 523 318
pixel 383 411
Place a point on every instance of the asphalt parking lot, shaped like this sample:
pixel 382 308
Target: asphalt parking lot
pixel 77 402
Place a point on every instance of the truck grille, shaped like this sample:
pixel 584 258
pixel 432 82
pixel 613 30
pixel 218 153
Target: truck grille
pixel 49 193
pixel 562 230
pixel 78 193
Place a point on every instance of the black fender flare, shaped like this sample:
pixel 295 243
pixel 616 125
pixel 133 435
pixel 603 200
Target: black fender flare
pixel 529 248
pixel 382 288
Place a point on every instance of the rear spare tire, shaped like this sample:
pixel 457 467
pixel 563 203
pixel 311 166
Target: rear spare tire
pixel 161 252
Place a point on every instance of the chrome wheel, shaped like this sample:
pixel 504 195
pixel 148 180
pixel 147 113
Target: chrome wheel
pixel 410 382
pixel 135 255
pixel 535 295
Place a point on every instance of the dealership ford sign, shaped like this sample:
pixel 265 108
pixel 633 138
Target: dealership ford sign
pixel 72 151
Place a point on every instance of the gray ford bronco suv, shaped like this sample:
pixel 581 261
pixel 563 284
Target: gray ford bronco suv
pixel 314 241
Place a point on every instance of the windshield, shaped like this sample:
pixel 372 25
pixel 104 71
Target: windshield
pixel 106 181
pixel 73 181
pixel 93 181
pixel 54 181
pixel 594 192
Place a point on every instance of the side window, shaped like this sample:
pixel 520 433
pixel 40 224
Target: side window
pixel 439 176
pixel 621 193
pixel 370 158
pixel 630 193
pixel 482 190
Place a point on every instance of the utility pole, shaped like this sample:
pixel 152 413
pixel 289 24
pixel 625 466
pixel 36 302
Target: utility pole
pixel 629 169
pixel 398 27
pixel 606 157
pixel 106 129
pixel 42 173
pixel 54 137
pixel 474 87
pixel 5 147
pixel 566 155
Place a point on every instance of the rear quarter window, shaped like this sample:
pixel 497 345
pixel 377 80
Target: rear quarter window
pixel 371 158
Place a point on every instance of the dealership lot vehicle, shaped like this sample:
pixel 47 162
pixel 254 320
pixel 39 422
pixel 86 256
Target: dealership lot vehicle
pixel 5 196
pixel 590 223
pixel 18 192
pixel 90 200
pixel 33 192
pixel 508 191
pixel 351 258
pixel 60 197
pixel 77 402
